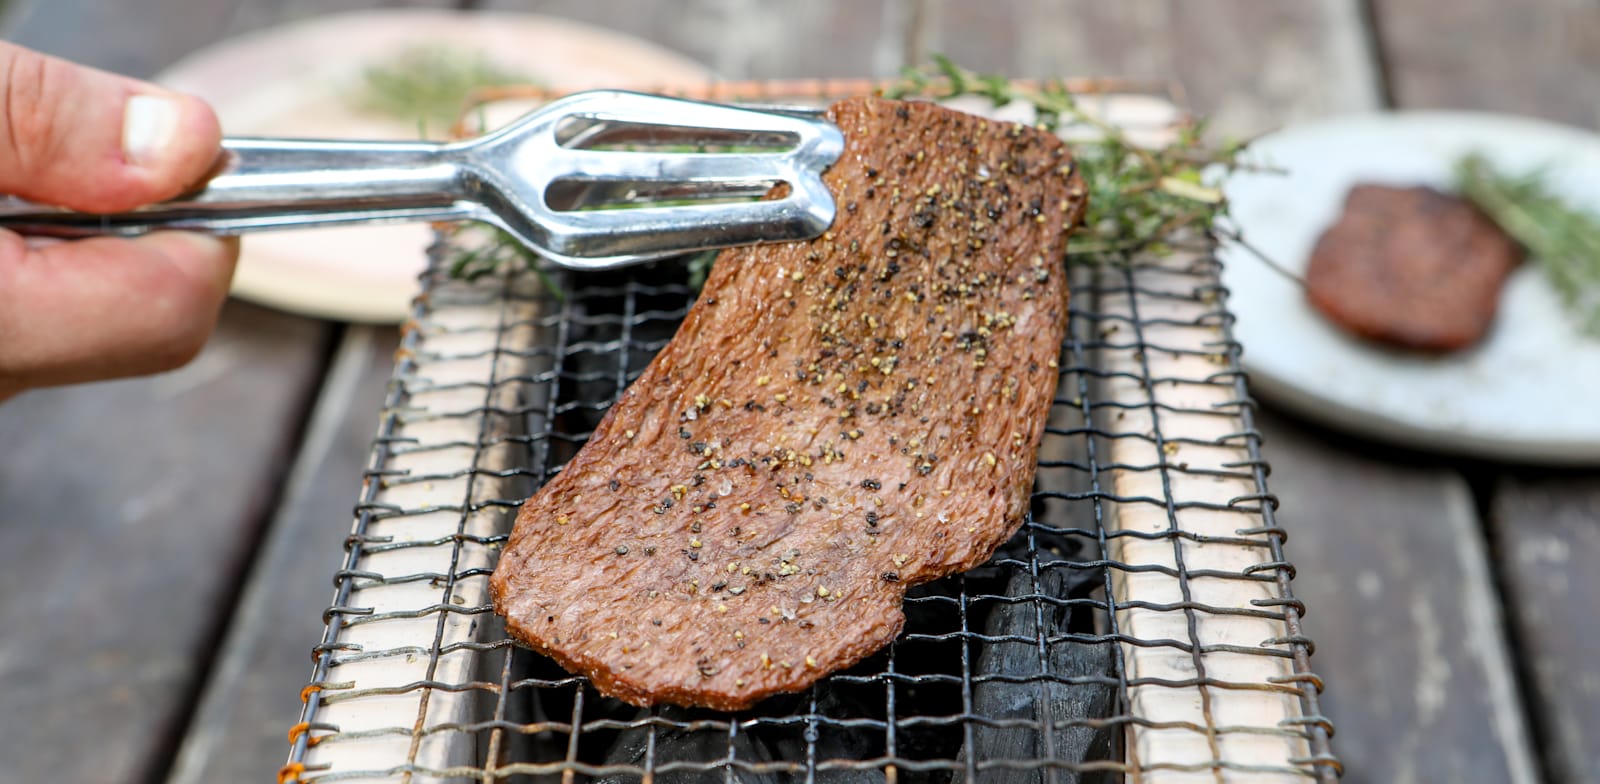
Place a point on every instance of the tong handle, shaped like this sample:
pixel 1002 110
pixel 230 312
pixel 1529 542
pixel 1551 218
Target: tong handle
pixel 283 183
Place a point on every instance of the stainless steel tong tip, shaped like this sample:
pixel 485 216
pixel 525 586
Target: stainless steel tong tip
pixel 593 180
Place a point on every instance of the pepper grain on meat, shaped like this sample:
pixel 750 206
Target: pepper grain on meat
pixel 888 386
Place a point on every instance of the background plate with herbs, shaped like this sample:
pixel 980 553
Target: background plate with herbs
pixel 1527 392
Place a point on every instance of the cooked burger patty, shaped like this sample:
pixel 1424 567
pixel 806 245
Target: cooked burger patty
pixel 835 421
pixel 1411 267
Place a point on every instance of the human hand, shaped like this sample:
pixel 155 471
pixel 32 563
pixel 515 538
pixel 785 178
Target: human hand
pixel 103 307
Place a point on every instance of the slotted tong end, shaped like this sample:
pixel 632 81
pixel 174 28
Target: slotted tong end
pixel 594 180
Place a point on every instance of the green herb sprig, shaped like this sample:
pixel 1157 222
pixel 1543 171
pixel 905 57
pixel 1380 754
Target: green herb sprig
pixel 427 84
pixel 489 251
pixel 1560 238
pixel 1140 198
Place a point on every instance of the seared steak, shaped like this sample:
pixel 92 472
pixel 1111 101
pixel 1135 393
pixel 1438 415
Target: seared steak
pixel 1411 267
pixel 835 420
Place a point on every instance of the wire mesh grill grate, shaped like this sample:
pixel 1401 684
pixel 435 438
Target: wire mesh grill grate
pixel 1139 626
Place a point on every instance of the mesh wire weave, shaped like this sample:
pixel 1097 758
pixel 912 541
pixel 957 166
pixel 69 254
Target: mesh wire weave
pixel 1140 625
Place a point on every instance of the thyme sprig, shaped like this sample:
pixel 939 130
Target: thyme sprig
pixel 1561 238
pixel 1141 198
pixel 478 249
pixel 428 83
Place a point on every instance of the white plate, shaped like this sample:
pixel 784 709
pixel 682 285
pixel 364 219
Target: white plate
pixel 298 81
pixel 1529 392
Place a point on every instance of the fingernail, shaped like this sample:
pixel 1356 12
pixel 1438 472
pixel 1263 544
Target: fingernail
pixel 149 125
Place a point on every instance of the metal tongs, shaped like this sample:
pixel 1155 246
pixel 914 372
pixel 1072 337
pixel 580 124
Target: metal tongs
pixel 594 180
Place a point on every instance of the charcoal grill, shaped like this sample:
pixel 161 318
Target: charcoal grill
pixel 1139 627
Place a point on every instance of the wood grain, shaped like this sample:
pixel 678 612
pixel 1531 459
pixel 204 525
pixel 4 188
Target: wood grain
pixel 1547 530
pixel 141 37
pixel 255 14
pixel 1537 57
pixel 457 421
pixel 1544 61
pixel 133 37
pixel 759 39
pixel 249 698
pixel 1395 577
pixel 127 510
pixel 1194 446
pixel 1250 65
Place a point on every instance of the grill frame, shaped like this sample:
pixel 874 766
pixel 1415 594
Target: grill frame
pixel 482 729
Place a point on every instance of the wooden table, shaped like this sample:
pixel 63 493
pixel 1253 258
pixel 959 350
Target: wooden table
pixel 164 542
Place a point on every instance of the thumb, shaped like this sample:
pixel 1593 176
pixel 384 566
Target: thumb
pixel 97 142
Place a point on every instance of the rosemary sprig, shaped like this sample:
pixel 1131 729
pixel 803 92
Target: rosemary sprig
pixel 427 84
pixel 1560 238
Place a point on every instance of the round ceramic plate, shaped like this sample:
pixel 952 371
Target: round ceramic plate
pixel 301 80
pixel 1526 393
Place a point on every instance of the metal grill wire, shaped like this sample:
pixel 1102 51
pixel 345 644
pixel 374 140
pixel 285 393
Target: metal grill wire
pixel 1015 671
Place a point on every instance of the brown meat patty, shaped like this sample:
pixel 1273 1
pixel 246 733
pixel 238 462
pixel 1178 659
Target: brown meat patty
pixel 835 421
pixel 1411 267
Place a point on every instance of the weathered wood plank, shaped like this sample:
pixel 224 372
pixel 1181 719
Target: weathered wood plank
pixel 237 733
pixel 1395 577
pixel 1537 57
pixel 136 37
pixel 753 39
pixel 1546 530
pixel 141 37
pixel 127 510
pixel 1249 65
pixel 1203 446
pixel 1547 534
pixel 251 15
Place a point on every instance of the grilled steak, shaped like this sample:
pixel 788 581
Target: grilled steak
pixel 835 420
pixel 1411 267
